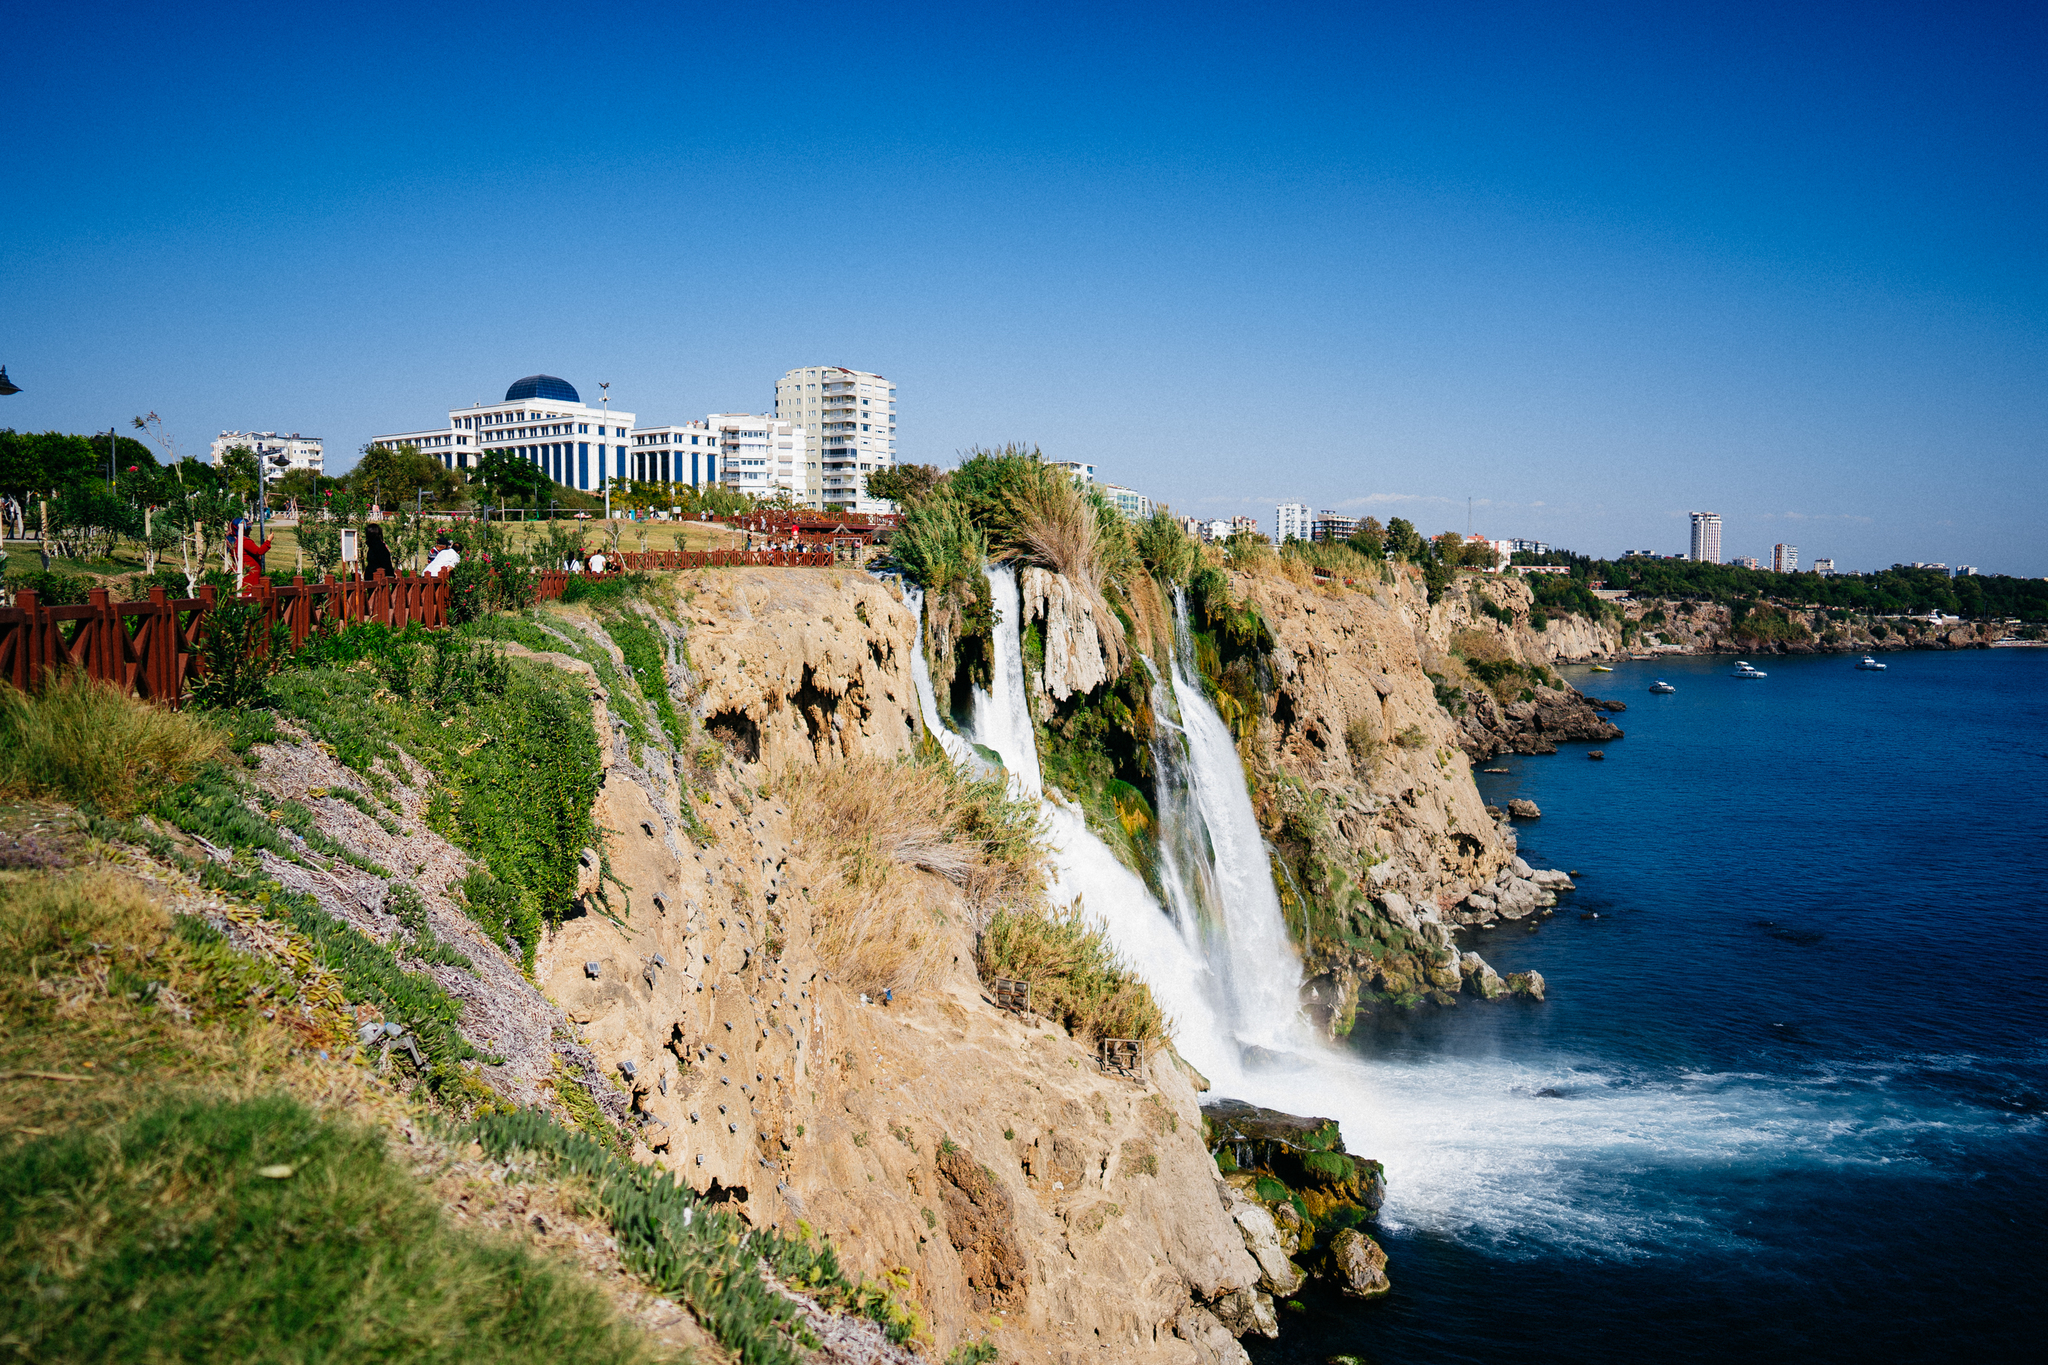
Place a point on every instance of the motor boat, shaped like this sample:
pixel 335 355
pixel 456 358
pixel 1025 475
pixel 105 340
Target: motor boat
pixel 1602 668
pixel 1743 670
pixel 1661 686
pixel 1870 665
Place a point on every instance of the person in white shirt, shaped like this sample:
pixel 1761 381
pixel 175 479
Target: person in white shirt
pixel 444 558
pixel 597 562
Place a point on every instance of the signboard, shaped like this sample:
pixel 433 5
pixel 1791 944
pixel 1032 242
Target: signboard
pixel 348 545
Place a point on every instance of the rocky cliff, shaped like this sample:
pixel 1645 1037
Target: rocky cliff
pixel 1364 785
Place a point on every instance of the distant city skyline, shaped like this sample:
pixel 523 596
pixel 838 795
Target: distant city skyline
pixel 1589 272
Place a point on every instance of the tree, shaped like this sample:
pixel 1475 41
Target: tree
pixel 904 484
pixel 1370 539
pixel 514 482
pixel 389 475
pixel 239 467
pixel 1403 539
pixel 32 462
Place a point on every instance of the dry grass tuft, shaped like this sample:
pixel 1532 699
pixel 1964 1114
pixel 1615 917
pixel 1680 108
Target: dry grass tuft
pixel 90 743
pixel 1057 525
pixel 1076 976
pixel 867 822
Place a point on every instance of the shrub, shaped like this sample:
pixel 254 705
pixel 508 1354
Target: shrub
pixel 1362 740
pixel 1412 738
pixel 1076 977
pixel 92 744
pixel 239 653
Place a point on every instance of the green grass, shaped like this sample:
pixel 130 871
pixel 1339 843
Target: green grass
pixel 704 1256
pixel 89 744
pixel 204 1229
pixel 641 646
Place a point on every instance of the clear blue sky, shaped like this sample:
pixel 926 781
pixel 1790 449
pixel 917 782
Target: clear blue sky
pixel 1592 266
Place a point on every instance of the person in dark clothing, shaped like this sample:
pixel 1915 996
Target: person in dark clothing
pixel 377 555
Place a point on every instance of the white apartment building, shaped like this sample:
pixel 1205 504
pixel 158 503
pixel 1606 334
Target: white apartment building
pixel 1333 526
pixel 1784 558
pixel 848 421
pixel 1083 473
pixel 1824 567
pixel 1134 505
pixel 300 452
pixel 760 455
pixel 542 421
pixel 1291 522
pixel 1706 538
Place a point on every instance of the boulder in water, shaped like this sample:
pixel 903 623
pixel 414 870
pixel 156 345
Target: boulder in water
pixel 1528 984
pixel 1243 1313
pixel 1360 1265
pixel 1480 979
pixel 1523 809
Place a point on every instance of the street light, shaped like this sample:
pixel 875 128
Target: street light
pixel 6 385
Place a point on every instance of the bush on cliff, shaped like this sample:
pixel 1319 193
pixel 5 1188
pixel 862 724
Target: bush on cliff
pixel 1076 977
pixel 867 821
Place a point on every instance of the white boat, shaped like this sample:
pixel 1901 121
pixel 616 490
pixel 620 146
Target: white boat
pixel 1870 665
pixel 1743 670
pixel 1661 686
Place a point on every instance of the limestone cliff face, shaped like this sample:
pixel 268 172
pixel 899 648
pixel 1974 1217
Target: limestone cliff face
pixel 800 666
pixel 1074 661
pixel 1564 639
pixel 1012 1187
pixel 1354 716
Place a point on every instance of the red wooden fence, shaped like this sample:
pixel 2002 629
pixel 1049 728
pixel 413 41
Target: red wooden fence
pixel 150 647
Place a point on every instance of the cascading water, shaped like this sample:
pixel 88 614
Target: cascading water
pixel 1002 713
pixel 1249 946
pixel 959 750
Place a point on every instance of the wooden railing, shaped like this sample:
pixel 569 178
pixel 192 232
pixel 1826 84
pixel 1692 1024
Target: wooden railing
pixel 150 648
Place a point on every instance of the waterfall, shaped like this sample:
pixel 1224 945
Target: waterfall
pixel 959 750
pixel 1217 958
pixel 1249 944
pixel 1002 713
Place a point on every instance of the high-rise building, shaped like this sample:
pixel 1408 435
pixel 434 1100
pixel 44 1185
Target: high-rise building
pixel 542 421
pixel 1824 567
pixel 1291 522
pixel 299 452
pixel 1784 558
pixel 849 422
pixel 1706 538
pixel 1745 562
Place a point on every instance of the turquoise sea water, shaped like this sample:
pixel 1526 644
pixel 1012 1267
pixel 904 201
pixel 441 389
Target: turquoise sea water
pixel 1789 1097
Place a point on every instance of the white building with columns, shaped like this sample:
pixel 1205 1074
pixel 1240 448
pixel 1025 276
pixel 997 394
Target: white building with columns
pixel 543 421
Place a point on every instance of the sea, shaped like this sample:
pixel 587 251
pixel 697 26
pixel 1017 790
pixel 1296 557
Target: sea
pixel 1788 1097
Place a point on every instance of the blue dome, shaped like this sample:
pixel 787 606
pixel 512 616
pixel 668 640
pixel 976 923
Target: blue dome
pixel 543 386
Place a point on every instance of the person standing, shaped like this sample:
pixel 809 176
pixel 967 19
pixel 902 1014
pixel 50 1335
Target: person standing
pixel 376 555
pixel 252 559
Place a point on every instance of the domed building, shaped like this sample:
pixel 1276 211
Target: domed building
pixel 543 421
